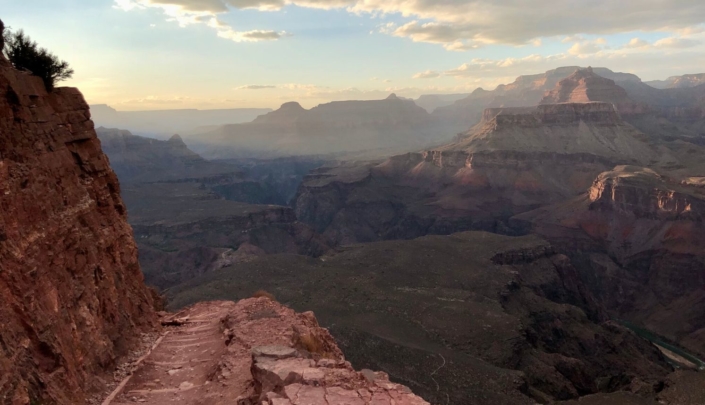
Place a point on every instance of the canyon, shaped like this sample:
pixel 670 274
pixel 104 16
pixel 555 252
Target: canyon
pixel 513 246
pixel 76 312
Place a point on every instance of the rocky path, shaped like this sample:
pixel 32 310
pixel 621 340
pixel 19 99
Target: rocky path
pixel 182 366
pixel 252 352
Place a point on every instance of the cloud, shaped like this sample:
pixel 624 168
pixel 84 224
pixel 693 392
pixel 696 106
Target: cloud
pixel 255 87
pixel 573 38
pixel 188 12
pixel 429 74
pixel 584 48
pixel 636 43
pixel 500 67
pixel 676 43
pixel 448 35
pixel 469 24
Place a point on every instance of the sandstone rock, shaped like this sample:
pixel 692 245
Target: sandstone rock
pixel 73 297
pixel 274 352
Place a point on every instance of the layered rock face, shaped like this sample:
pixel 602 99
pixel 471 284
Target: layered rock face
pixel 471 318
pixel 516 160
pixel 73 298
pixel 639 237
pixel 378 127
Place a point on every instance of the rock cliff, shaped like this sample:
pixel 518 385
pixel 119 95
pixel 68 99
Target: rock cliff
pixel 585 86
pixel 639 237
pixel 73 298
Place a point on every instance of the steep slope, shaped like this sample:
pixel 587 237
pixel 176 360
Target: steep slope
pixel 516 160
pixel 378 126
pixel 471 318
pixel 639 237
pixel 72 293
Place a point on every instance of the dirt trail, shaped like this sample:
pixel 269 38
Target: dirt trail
pixel 183 365
pixel 255 351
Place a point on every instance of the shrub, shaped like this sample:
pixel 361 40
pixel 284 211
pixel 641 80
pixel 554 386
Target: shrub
pixel 25 54
pixel 265 294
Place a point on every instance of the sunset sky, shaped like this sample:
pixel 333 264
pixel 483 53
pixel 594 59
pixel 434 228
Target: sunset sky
pixel 163 54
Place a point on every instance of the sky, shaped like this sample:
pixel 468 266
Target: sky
pixel 210 54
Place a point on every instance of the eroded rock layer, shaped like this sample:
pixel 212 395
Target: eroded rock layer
pixel 72 293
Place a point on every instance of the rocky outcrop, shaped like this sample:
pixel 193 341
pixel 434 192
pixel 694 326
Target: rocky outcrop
pixel 638 236
pixel 472 318
pixel 73 298
pixel 255 351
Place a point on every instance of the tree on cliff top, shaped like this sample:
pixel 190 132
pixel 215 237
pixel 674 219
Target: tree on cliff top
pixel 25 54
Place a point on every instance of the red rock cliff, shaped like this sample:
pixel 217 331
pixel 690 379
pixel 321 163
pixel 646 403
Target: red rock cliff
pixel 72 297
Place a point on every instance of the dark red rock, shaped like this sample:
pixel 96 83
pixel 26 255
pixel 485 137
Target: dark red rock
pixel 72 294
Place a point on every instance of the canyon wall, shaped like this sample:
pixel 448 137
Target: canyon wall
pixel 72 293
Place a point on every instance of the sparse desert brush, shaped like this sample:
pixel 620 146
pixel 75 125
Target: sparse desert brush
pixel 312 344
pixel 265 294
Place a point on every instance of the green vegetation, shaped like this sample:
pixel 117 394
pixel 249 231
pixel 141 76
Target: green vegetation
pixel 25 54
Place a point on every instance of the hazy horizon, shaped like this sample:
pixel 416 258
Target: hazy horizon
pixel 220 54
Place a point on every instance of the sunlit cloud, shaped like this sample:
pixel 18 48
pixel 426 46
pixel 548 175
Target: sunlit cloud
pixel 462 25
pixel 429 74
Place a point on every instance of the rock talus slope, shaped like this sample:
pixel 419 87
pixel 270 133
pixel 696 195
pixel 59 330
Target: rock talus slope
pixel 72 294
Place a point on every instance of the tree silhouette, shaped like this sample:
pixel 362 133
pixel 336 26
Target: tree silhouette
pixel 25 54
